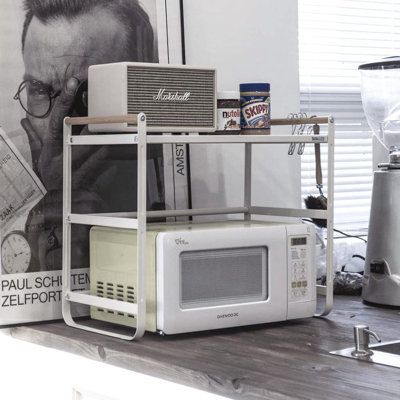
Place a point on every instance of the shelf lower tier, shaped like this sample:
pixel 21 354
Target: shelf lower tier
pixel 127 220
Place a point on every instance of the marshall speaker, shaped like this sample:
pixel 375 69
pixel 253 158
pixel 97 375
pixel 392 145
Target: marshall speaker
pixel 175 98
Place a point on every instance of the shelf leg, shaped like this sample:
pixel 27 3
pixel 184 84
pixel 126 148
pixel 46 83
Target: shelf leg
pixel 247 180
pixel 329 223
pixel 141 233
pixel 66 245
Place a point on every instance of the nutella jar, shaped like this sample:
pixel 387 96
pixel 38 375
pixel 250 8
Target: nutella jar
pixel 228 113
pixel 255 107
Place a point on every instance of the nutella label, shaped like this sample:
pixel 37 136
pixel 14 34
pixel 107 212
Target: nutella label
pixel 256 113
pixel 228 119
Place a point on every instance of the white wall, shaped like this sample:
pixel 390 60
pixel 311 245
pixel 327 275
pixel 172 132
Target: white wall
pixel 247 41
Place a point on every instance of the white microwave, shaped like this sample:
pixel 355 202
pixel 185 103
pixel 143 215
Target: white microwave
pixel 204 276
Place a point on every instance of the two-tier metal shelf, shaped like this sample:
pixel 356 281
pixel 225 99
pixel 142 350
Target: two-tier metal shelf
pixel 138 220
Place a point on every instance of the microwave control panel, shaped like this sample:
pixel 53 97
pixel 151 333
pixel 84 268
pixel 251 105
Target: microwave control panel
pixel 298 268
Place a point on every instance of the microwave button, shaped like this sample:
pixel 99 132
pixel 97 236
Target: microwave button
pixel 299 284
pixel 294 285
pixel 304 284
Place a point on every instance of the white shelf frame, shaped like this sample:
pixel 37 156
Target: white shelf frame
pixel 138 223
pixel 138 220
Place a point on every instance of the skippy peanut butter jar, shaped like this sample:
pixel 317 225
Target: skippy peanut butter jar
pixel 255 106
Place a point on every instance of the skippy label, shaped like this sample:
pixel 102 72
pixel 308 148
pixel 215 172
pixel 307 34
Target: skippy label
pixel 255 112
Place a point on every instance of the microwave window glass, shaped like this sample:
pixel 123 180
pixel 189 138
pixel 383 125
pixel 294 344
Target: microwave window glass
pixel 223 276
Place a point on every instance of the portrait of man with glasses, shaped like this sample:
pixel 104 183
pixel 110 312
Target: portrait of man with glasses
pixel 60 40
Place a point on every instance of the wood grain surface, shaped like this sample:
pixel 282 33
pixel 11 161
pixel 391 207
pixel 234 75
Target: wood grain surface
pixel 279 361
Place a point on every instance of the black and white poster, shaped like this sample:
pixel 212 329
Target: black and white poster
pixel 46 47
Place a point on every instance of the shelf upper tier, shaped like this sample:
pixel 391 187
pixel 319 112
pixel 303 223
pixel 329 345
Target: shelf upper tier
pixel 132 138
pixel 129 138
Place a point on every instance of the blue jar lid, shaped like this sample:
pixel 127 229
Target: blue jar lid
pixel 254 87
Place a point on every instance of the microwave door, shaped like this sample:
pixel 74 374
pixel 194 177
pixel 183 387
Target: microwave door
pixel 220 279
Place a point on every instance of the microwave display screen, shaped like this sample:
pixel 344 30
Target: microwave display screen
pixel 301 241
pixel 223 276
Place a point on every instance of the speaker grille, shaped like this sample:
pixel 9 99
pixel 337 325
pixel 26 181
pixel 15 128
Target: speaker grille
pixel 220 277
pixel 146 83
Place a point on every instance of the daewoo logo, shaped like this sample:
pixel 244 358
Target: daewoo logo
pixel 181 241
pixel 231 315
pixel 162 95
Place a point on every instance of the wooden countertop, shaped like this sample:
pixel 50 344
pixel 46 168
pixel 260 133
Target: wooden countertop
pixel 279 361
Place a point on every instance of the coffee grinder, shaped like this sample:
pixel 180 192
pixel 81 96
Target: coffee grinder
pixel 380 90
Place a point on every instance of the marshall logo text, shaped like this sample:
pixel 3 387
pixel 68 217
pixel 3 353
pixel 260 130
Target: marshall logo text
pixel 162 95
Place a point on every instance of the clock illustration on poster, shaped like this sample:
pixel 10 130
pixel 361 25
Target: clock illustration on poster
pixel 15 253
